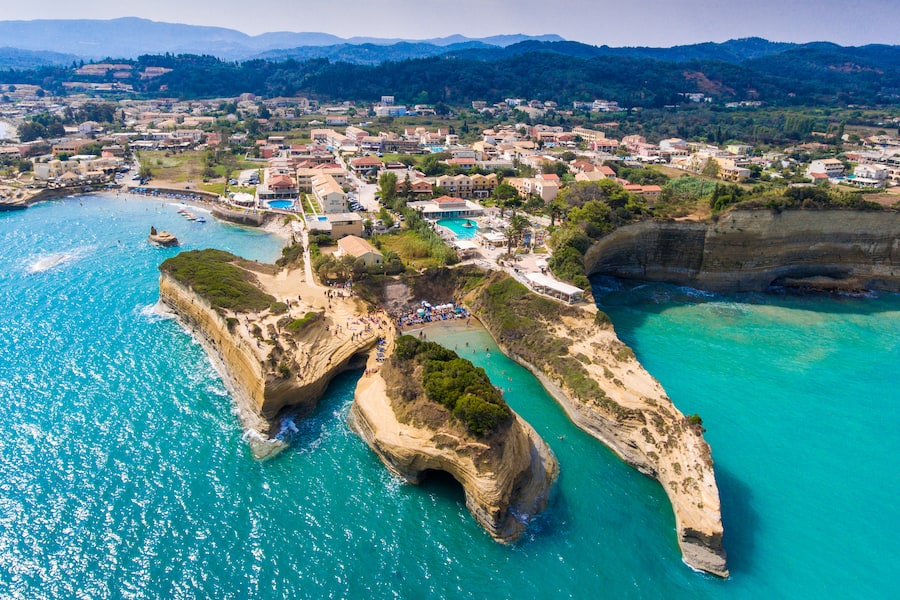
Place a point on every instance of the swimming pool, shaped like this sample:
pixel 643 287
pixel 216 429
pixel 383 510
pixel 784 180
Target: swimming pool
pixel 459 227
pixel 283 204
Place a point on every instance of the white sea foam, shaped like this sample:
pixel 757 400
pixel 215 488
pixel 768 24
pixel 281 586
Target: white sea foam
pixel 695 293
pixel 44 262
pixel 155 312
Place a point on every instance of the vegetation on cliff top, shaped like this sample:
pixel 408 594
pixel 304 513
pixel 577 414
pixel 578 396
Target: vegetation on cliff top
pixel 523 324
pixel 213 275
pixel 453 382
pixel 588 211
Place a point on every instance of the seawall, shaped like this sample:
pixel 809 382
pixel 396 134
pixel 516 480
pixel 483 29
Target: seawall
pixel 241 217
pixel 751 250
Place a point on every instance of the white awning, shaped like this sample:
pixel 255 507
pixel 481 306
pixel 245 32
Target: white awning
pixel 465 245
pixel 543 281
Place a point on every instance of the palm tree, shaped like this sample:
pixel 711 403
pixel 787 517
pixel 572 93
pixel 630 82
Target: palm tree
pixel 517 226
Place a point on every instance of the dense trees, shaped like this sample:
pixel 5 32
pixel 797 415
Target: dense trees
pixel 454 383
pixel 800 76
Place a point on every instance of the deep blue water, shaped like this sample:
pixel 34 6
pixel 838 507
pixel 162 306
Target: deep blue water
pixel 123 472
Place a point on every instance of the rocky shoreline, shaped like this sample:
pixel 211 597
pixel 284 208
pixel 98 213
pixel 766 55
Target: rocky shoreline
pixel 631 414
pixel 269 375
pixel 506 479
pixel 753 250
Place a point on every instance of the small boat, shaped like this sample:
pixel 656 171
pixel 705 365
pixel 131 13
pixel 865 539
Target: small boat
pixel 200 220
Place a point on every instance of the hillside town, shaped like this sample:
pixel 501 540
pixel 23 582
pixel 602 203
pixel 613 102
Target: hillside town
pixel 493 194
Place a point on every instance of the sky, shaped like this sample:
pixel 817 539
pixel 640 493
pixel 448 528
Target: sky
pixel 659 23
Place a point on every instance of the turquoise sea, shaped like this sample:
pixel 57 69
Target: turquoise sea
pixel 123 473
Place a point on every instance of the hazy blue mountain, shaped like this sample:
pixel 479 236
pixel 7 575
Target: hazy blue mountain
pixel 372 54
pixel 732 51
pixel 455 40
pixel 130 37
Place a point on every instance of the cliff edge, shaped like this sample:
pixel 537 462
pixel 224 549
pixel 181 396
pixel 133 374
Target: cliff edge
pixel 280 343
pixel 507 472
pixel 751 250
pixel 576 354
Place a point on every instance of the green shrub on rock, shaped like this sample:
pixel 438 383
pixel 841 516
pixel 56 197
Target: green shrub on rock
pixel 455 383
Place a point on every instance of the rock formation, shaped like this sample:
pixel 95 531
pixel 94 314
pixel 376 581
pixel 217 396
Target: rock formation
pixel 577 356
pixel 162 238
pixel 265 366
pixel 751 250
pixel 507 477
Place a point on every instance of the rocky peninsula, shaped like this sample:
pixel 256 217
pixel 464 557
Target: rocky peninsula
pixel 752 250
pixel 277 339
pixel 276 352
pixel 507 471
pixel 575 353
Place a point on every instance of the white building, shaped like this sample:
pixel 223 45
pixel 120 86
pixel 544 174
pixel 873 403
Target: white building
pixel 328 194
pixel 831 167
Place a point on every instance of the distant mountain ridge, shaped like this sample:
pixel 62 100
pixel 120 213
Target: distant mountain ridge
pixel 130 37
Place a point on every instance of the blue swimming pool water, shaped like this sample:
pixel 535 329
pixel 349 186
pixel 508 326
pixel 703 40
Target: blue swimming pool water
pixel 457 226
pixel 281 204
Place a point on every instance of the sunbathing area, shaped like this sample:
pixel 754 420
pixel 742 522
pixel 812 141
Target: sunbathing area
pixel 429 314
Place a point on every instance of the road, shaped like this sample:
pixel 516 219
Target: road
pixel 365 192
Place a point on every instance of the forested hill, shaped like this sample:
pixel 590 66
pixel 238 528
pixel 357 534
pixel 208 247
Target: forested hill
pixel 820 73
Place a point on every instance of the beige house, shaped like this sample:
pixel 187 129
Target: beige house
pixel 305 176
pixel 360 249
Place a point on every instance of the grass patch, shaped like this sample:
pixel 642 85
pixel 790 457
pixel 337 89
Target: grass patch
pixel 213 275
pixel 298 326
pixel 191 165
pixel 181 167
pixel 413 249
pixel 219 188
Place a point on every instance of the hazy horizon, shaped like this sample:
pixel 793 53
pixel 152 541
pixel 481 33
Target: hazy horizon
pixel 657 23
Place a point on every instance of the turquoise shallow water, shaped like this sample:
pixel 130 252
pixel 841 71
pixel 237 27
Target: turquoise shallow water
pixel 800 399
pixel 123 472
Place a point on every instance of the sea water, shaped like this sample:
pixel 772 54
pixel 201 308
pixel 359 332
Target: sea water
pixel 123 472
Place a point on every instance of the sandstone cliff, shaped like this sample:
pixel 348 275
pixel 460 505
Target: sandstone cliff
pixel 267 375
pixel 507 478
pixel 605 391
pixel 750 250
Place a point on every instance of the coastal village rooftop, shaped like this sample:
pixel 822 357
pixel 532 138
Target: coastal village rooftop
pixel 447 207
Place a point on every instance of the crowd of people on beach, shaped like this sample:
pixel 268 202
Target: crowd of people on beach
pixel 143 191
pixel 429 314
